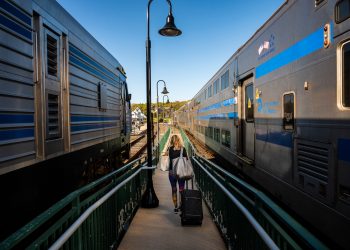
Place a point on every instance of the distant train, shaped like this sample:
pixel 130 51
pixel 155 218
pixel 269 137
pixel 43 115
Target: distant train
pixel 279 109
pixel 64 108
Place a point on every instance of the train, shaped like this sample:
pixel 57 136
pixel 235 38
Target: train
pixel 279 110
pixel 65 113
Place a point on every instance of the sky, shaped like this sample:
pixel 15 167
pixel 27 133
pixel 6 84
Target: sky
pixel 212 30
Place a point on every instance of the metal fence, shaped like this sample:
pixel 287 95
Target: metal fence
pixel 104 226
pixel 95 216
pixel 246 217
pixel 159 148
pixel 164 140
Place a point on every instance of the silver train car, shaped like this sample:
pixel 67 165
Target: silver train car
pixel 279 110
pixel 64 107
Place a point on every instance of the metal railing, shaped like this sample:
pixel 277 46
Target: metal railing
pixel 102 229
pixel 159 148
pixel 246 217
pixel 164 140
pixel 95 216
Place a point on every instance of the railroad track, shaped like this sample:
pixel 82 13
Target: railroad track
pixel 138 145
pixel 136 138
pixel 201 148
pixel 209 154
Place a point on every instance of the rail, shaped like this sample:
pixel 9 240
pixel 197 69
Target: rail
pixel 95 216
pixel 66 236
pixel 103 229
pixel 246 217
pixel 162 142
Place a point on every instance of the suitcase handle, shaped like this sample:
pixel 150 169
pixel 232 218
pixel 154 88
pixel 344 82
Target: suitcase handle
pixel 187 183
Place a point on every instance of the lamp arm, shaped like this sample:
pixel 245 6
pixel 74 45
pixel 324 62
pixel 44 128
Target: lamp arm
pixel 148 19
pixel 170 7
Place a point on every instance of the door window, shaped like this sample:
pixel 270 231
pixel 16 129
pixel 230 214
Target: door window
pixel 346 75
pixel 249 103
pixel 288 111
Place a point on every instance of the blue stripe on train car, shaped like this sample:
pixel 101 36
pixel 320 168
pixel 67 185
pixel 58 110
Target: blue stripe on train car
pixel 16 118
pixel 84 66
pixel 304 47
pixel 15 27
pixel 13 134
pixel 79 54
pixel 218 105
pixel 16 12
pixel 76 128
pixel 284 139
pixel 344 149
pixel 222 116
pixel 79 118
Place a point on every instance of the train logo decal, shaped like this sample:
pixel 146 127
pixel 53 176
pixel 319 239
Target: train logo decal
pixel 267 108
pixel 266 47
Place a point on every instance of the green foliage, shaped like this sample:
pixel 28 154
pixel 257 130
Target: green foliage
pixel 141 106
pixel 167 106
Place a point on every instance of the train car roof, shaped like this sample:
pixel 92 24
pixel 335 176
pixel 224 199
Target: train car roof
pixel 56 11
pixel 266 23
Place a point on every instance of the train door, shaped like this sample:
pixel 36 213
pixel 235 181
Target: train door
pixel 123 109
pixel 248 126
pixel 51 80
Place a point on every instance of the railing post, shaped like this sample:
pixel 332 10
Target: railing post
pixel 76 204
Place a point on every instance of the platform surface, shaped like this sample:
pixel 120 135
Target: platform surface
pixel 160 228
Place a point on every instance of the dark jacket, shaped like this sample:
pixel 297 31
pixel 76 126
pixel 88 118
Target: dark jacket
pixel 174 154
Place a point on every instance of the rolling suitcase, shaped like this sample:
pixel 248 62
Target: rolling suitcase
pixel 191 206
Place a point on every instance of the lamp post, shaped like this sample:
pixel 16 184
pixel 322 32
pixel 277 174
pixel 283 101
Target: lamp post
pixel 163 105
pixel 165 91
pixel 149 199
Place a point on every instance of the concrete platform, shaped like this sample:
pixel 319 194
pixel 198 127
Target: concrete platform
pixel 160 228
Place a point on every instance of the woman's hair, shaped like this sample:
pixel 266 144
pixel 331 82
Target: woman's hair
pixel 175 142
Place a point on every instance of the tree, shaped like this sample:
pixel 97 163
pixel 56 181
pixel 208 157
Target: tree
pixel 174 105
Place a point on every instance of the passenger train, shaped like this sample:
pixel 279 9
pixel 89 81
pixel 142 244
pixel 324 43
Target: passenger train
pixel 64 108
pixel 279 110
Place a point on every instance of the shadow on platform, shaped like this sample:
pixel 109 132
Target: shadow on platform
pixel 160 228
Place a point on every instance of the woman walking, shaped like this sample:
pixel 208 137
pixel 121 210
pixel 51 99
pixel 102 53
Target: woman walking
pixel 174 152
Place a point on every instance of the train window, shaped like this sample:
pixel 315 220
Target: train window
pixel 210 132
pixel 217 134
pixel 249 103
pixel 226 138
pixel 206 131
pixel 216 86
pixel 205 94
pixel 342 10
pixel 346 75
pixel 288 111
pixel 224 80
pixel 209 91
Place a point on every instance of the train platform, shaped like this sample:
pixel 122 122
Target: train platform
pixel 160 228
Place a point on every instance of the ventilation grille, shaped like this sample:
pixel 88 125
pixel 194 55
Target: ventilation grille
pixel 314 170
pixel 313 161
pixel 318 2
pixel 53 117
pixel 51 56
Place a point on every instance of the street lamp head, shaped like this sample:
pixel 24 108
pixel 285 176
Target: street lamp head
pixel 165 91
pixel 170 28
